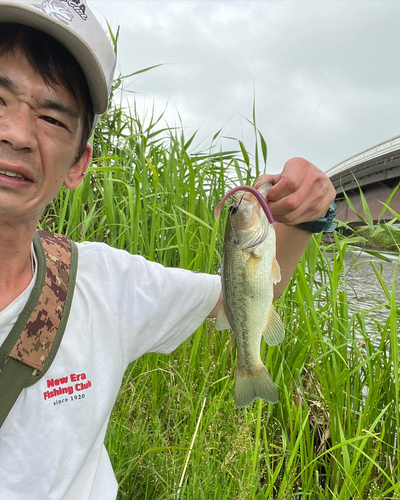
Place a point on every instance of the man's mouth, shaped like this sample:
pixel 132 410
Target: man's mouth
pixel 12 174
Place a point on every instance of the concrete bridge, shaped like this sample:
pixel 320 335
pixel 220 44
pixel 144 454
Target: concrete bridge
pixel 377 172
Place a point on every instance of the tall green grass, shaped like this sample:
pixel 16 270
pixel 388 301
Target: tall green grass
pixel 174 432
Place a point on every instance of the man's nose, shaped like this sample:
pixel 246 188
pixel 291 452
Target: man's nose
pixel 17 128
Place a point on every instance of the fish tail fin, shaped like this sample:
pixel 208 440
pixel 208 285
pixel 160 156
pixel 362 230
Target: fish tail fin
pixel 257 385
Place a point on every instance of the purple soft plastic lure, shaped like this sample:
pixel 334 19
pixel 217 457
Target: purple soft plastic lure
pixel 252 190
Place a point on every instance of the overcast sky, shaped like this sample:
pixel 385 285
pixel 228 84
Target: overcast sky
pixel 325 75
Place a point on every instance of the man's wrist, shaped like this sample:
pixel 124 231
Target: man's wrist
pixel 324 224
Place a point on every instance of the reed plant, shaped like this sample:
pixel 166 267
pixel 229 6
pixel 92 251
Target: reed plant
pixel 175 432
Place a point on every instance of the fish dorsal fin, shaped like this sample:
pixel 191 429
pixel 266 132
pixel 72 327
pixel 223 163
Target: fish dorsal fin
pixel 275 271
pixel 222 322
pixel 274 332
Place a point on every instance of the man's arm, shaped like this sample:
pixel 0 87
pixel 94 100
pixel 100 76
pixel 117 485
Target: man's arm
pixel 300 193
pixel 291 243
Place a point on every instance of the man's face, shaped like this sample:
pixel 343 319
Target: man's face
pixel 40 131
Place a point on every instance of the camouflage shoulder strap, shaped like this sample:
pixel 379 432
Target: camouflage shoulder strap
pixel 33 342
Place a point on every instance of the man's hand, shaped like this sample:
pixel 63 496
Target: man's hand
pixel 300 193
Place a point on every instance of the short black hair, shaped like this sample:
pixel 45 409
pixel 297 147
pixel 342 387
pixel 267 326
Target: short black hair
pixel 54 63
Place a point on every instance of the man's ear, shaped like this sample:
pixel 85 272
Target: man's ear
pixel 77 172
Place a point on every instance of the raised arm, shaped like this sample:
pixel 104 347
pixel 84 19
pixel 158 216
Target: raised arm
pixel 300 193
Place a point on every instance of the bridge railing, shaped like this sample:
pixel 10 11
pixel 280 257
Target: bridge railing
pixel 378 150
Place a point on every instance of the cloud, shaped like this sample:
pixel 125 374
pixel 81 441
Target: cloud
pixel 324 75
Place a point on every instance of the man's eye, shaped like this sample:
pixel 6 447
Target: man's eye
pixel 53 121
pixel 2 102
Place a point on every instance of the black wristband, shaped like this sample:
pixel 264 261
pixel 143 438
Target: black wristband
pixel 323 224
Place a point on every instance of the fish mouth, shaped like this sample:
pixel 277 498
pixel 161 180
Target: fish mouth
pixel 255 192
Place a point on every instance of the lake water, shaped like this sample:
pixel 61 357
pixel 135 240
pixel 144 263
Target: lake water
pixel 363 288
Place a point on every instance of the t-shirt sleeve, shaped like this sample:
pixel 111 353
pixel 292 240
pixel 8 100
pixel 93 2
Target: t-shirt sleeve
pixel 158 307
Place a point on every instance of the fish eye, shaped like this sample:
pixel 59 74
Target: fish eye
pixel 233 209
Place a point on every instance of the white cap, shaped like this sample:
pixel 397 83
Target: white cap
pixel 73 24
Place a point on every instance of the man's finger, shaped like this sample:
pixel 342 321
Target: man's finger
pixel 264 178
pixel 283 188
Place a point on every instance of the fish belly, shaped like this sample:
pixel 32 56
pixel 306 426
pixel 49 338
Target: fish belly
pixel 248 295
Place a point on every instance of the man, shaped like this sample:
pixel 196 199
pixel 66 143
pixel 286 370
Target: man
pixel 56 68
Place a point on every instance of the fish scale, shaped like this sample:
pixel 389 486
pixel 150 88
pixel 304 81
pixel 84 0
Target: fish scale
pixel 249 271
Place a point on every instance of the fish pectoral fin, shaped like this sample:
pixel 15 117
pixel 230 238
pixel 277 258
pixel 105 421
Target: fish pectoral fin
pixel 222 322
pixel 274 332
pixel 275 271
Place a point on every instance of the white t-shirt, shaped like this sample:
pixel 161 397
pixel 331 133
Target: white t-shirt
pixel 51 444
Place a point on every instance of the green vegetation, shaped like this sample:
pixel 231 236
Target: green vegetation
pixel 174 432
pixel 382 237
pixel 385 236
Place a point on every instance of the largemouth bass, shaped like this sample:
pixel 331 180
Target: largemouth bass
pixel 249 271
